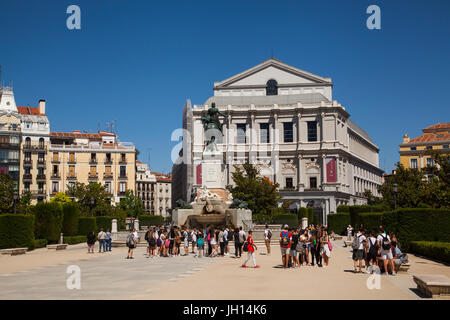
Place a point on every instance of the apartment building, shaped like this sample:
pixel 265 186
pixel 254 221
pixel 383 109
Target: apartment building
pixel 91 157
pixel 145 187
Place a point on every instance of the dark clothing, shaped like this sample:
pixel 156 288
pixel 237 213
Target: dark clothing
pixel 295 238
pixel 91 239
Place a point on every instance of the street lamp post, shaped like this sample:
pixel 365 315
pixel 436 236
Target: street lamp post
pixel 395 190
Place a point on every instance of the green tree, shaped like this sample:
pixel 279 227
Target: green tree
pixel 259 192
pixel 92 198
pixel 437 187
pixel 131 204
pixel 61 198
pixel 7 188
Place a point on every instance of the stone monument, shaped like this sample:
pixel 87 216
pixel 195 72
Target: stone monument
pixel 211 205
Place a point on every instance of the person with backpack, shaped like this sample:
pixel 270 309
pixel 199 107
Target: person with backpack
pixel 267 237
pixel 358 245
pixel 285 243
pixel 384 245
pixel 131 244
pixel 250 247
pixel 372 252
pixel 200 244
pixel 293 250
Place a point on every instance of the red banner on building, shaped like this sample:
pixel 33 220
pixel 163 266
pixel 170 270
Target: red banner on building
pixel 199 174
pixel 331 169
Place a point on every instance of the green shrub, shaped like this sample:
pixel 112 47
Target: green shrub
pixel 150 220
pixel 356 210
pixel 48 221
pixel 290 219
pixel 262 219
pixel 302 213
pixel 431 249
pixel 71 214
pixel 422 224
pixel 16 231
pixel 86 225
pixel 104 222
pixel 338 222
pixel 75 239
pixel 343 209
pixel 371 220
pixel 40 243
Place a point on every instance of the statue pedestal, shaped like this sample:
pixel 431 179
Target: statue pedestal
pixel 213 170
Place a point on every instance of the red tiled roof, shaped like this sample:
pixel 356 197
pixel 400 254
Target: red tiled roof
pixel 106 133
pixel 30 110
pixel 164 179
pixel 76 135
pixel 431 137
pixel 438 126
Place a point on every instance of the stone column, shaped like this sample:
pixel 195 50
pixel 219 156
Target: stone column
pixel 324 169
pixel 114 225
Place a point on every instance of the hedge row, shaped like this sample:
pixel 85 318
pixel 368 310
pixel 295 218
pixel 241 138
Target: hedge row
pixel 104 222
pixel 338 222
pixel 71 214
pixel 343 209
pixel 75 239
pixel 356 210
pixel 435 250
pixel 16 231
pixel 290 219
pixel 262 219
pixel 306 213
pixel 40 243
pixel 48 221
pixel 150 220
pixel 86 225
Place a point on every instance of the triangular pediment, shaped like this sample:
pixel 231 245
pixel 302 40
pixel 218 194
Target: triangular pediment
pixel 272 69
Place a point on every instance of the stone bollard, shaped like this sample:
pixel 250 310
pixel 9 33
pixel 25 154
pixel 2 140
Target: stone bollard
pixel 136 224
pixel 304 223
pixel 61 239
pixel 114 225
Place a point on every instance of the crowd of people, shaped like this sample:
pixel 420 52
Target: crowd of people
pixel 375 251
pixel 378 252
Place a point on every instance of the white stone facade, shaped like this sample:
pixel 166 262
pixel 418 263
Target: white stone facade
pixel 291 130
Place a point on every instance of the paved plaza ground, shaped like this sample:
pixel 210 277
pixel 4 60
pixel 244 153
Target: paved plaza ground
pixel 41 274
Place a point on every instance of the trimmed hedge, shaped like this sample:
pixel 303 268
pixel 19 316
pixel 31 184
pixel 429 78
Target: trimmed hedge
pixel 306 213
pixel 48 221
pixel 104 222
pixel 150 220
pixel 261 219
pixel 16 231
pixel 338 222
pixel 75 239
pixel 371 220
pixel 343 209
pixel 431 249
pixel 40 243
pixel 356 210
pixel 71 214
pixel 290 219
pixel 86 225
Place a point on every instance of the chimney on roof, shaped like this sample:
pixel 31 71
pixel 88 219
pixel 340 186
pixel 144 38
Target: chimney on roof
pixel 406 138
pixel 42 106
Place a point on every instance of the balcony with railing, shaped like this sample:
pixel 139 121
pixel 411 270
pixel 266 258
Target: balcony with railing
pixel 41 176
pixel 71 176
pixel 93 175
pixel 107 175
pixel 93 161
pixel 41 162
pixel 9 145
pixel 55 160
pixel 27 162
pixel 123 175
pixel 55 175
pixel 27 177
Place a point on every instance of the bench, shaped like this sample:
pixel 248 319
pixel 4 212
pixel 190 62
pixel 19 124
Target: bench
pixel 57 246
pixel 14 251
pixel 432 285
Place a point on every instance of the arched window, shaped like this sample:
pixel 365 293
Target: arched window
pixel 272 88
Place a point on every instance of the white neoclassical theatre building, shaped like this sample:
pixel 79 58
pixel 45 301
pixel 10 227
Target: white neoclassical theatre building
pixel 285 121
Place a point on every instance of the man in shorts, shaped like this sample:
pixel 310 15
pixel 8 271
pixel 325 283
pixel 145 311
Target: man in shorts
pixel 384 246
pixel 285 243
pixel 358 254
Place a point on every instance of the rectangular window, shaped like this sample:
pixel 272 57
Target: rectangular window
pixel 264 133
pixel 123 171
pixel 413 148
pixel 429 148
pixel 27 156
pixel 122 187
pixel 108 171
pixel 40 170
pixel 55 170
pixel 241 132
pixel 27 170
pixel 71 171
pixel 55 187
pixel 108 187
pixel 313 183
pixel 289 183
pixel 72 157
pixel 288 132
pixel 93 171
pixel 413 164
pixel 123 157
pixel 430 162
pixel 55 156
pixel 445 146
pixel 312 131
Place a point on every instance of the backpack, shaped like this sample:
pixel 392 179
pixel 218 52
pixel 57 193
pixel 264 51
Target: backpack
pixel 159 242
pixel 146 235
pixel 285 238
pixel 130 240
pixel 230 236
pixel 200 242
pixel 269 234
pixel 167 243
pixel 373 248
pixel 152 241
pixel 245 246
pixel 355 243
pixel 189 237
pixel 386 244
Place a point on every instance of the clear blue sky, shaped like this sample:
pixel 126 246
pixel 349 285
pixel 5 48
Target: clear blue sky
pixel 138 61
